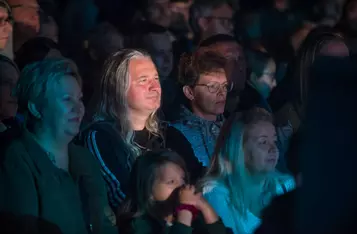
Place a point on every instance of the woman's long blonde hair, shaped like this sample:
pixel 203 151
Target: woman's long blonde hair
pixel 228 163
pixel 112 97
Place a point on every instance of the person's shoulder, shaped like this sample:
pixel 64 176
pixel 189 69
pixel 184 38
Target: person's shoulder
pixel 82 159
pixel 79 151
pixel 103 132
pixel 212 186
pixel 15 153
pixel 99 126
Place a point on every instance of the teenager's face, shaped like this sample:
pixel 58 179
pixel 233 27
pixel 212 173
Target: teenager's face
pixel 169 177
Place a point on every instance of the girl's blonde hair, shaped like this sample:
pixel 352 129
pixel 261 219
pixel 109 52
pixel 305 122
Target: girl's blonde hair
pixel 228 163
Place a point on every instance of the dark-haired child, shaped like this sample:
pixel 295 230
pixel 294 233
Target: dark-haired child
pixel 161 201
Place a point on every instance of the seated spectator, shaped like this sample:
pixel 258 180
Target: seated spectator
pixel 260 83
pixel 124 123
pixel 27 20
pixel 242 178
pixel 5 27
pixel 162 201
pixel 42 173
pixel 211 17
pixel 205 86
pixel 9 125
pixel 228 46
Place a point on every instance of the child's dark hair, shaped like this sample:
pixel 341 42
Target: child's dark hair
pixel 257 61
pixel 142 179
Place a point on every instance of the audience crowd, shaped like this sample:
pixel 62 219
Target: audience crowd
pixel 178 116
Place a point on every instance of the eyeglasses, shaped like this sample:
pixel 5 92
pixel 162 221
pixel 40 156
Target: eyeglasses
pixel 215 87
pixel 4 21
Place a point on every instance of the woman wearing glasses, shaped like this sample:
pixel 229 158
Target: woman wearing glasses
pixel 205 87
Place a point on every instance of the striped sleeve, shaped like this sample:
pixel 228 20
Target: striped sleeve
pixel 104 151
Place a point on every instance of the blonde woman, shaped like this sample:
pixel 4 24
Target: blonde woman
pixel 242 178
pixel 124 122
pixel 44 175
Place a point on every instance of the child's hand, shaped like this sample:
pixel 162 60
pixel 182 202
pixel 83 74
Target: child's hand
pixel 187 196
pixel 202 204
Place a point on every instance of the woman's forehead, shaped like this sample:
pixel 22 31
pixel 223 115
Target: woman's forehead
pixel 261 128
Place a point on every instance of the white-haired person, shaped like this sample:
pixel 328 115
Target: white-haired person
pixel 123 122
pixel 242 178
pixel 44 175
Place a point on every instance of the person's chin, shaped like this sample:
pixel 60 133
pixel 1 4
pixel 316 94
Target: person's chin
pixel 220 109
pixel 2 44
pixel 72 132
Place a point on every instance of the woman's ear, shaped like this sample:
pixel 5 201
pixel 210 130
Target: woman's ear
pixel 188 91
pixel 33 110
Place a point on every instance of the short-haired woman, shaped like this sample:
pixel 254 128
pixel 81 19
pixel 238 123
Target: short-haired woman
pixel 43 174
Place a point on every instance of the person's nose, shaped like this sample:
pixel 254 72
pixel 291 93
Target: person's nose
pixel 274 83
pixel 8 28
pixel 155 85
pixel 79 107
pixel 273 148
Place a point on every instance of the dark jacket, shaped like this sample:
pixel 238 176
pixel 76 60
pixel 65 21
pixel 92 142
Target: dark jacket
pixel 115 157
pixel 251 98
pixel 32 185
pixel 146 224
pixel 177 142
pixel 10 130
